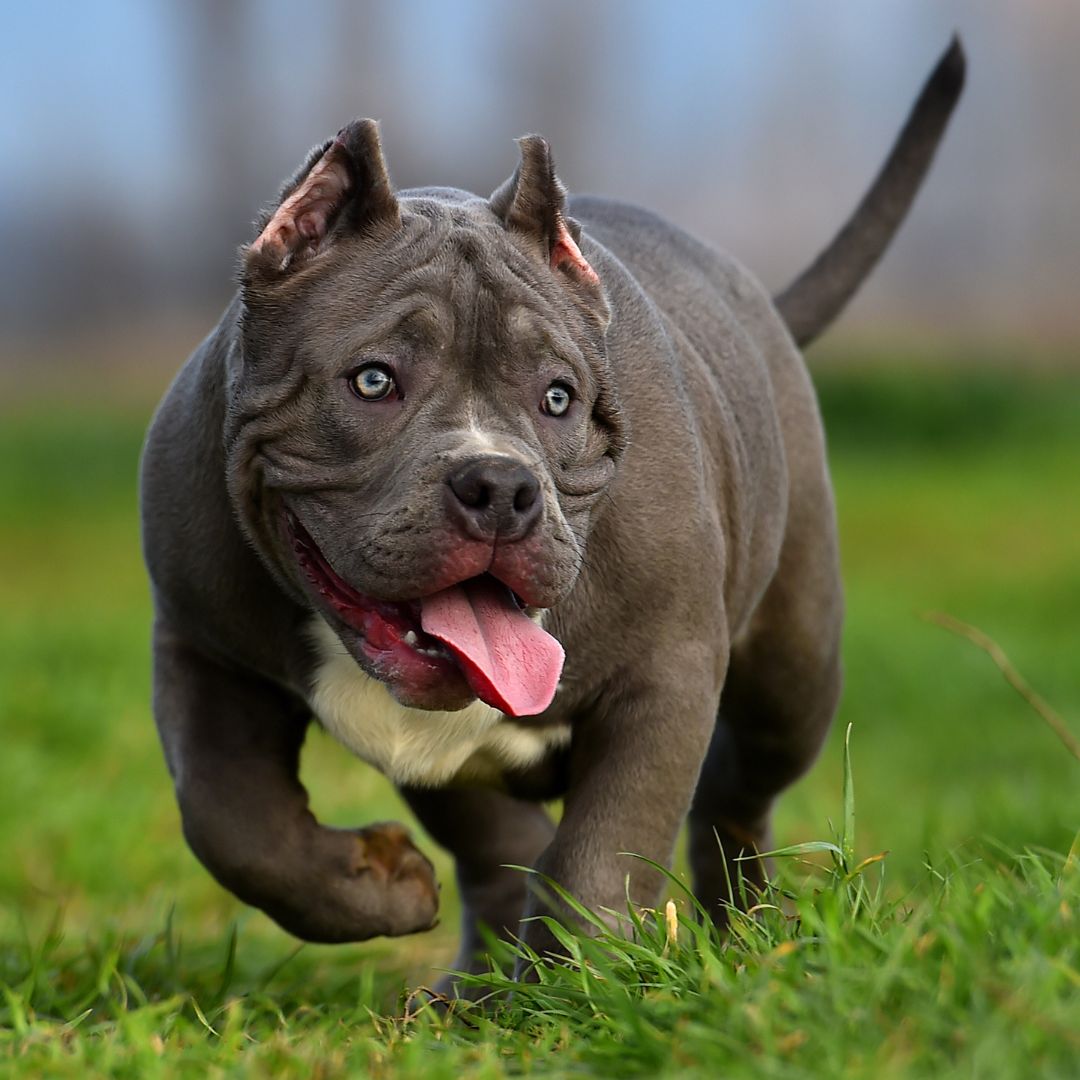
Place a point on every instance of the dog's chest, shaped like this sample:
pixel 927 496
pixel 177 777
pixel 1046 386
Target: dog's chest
pixel 413 746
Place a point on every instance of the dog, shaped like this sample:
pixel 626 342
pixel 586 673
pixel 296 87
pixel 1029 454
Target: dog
pixel 520 497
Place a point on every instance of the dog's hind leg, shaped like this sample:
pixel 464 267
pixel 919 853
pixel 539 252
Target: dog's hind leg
pixel 232 742
pixel 780 694
pixel 486 831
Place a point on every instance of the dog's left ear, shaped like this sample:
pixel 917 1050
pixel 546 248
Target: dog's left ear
pixel 343 186
pixel 533 203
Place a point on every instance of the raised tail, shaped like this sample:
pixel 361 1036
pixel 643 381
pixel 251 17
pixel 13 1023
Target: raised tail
pixel 821 291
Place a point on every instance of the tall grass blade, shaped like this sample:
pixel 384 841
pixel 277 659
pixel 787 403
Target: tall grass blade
pixel 1012 676
pixel 847 837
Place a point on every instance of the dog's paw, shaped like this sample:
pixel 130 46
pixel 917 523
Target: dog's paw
pixel 387 860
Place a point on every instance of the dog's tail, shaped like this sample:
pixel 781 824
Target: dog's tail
pixel 821 291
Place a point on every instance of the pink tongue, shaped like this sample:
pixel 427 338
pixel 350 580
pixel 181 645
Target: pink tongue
pixel 510 662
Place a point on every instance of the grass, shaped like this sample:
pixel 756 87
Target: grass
pixel 957 954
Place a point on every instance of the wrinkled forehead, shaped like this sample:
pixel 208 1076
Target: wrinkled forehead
pixel 468 279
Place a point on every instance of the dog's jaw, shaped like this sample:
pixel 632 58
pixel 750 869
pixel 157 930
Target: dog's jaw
pixel 384 638
pixel 425 748
pixel 471 638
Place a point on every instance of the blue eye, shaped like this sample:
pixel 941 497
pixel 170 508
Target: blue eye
pixel 372 382
pixel 557 399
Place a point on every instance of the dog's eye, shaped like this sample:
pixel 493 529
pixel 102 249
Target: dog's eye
pixel 557 399
pixel 372 382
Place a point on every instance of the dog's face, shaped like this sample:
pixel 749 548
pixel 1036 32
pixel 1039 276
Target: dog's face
pixel 423 418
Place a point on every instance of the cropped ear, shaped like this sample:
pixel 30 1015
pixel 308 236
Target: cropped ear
pixel 533 202
pixel 344 185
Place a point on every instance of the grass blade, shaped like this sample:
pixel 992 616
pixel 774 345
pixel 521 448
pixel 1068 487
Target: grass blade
pixel 847 837
pixel 1012 676
pixel 809 847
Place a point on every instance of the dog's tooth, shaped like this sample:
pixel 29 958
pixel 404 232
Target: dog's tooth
pixel 410 637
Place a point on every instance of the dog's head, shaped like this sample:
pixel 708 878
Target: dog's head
pixel 422 418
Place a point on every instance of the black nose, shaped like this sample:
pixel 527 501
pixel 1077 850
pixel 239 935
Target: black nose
pixel 494 496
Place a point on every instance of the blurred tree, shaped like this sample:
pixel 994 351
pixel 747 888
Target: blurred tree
pixel 217 66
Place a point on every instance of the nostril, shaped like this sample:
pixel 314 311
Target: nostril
pixel 471 488
pixel 527 493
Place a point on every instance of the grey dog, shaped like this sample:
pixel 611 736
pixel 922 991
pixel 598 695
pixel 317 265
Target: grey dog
pixel 520 498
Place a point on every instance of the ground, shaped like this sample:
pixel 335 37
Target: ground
pixel 957 954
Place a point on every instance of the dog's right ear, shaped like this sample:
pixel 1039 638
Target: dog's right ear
pixel 343 187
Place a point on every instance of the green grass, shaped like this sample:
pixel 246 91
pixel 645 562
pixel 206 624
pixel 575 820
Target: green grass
pixel 957 954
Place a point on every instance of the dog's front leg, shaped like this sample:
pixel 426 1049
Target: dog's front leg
pixel 634 762
pixel 232 742
pixel 488 833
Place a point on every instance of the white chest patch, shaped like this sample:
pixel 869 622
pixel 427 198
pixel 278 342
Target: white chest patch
pixel 413 746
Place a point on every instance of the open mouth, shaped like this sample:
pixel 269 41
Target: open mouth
pixel 474 633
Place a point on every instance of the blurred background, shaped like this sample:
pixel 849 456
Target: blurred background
pixel 138 143
pixel 141 138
